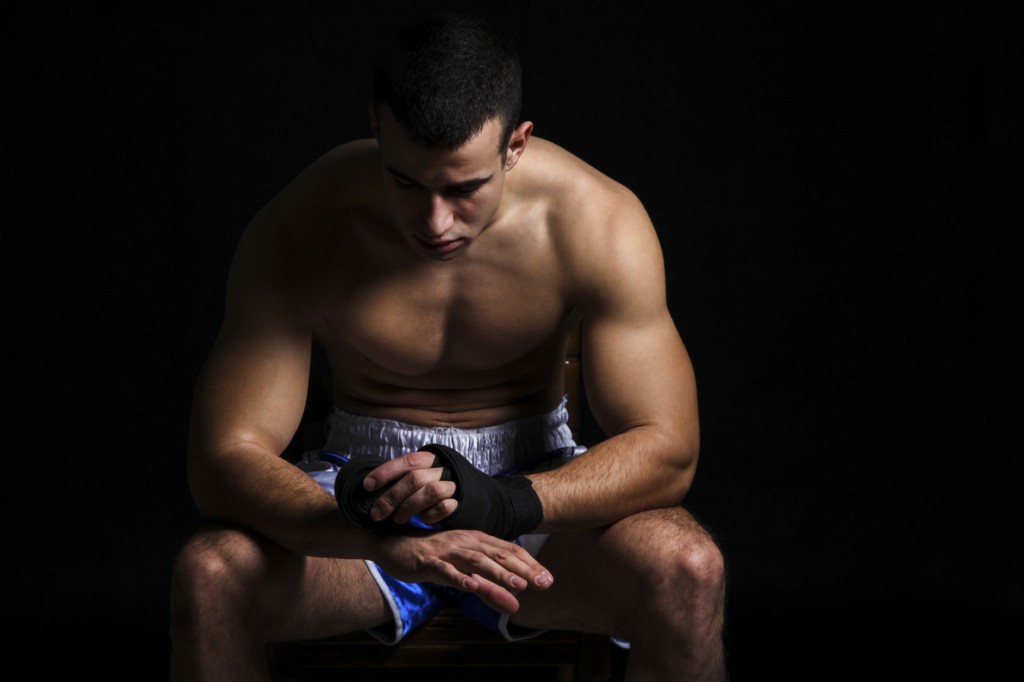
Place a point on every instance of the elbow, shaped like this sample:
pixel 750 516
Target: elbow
pixel 209 496
pixel 684 454
pixel 205 501
pixel 681 488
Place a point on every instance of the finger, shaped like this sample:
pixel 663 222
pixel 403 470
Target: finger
pixel 396 468
pixel 435 496
pixel 439 511
pixel 495 596
pixel 495 565
pixel 519 562
pixel 415 487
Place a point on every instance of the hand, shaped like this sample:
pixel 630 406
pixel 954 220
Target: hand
pixel 444 487
pixel 469 560
pixel 502 506
pixel 416 489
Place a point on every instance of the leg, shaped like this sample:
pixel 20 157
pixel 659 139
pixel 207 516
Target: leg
pixel 232 592
pixel 655 579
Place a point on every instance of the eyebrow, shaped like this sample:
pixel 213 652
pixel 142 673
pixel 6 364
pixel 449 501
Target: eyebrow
pixel 463 186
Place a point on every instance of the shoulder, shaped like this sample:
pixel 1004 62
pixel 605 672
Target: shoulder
pixel 574 185
pixel 291 238
pixel 327 193
pixel 600 227
pixel 340 179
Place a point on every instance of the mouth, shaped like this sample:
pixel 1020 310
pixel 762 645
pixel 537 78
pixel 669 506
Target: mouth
pixel 438 247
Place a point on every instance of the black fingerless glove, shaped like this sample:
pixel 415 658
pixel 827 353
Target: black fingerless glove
pixel 502 506
pixel 353 499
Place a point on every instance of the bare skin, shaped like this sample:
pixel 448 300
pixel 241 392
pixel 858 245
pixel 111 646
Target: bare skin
pixel 444 286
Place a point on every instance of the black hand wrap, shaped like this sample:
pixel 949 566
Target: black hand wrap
pixel 353 499
pixel 502 506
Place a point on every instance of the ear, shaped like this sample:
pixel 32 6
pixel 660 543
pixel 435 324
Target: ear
pixel 517 143
pixel 374 127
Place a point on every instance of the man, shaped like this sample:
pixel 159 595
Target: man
pixel 443 266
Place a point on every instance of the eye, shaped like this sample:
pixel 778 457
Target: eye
pixel 468 192
pixel 403 183
pixel 465 191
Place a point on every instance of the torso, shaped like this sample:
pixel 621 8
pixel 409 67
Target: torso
pixel 473 341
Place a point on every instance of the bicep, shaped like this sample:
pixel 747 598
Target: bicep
pixel 638 375
pixel 252 388
pixel 637 371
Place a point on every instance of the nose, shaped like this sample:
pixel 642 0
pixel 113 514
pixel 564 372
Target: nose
pixel 441 217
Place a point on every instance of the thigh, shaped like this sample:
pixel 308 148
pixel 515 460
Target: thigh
pixel 292 596
pixel 605 577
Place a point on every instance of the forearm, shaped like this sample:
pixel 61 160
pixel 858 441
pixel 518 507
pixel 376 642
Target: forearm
pixel 635 471
pixel 250 487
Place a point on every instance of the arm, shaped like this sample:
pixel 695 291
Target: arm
pixel 639 381
pixel 247 404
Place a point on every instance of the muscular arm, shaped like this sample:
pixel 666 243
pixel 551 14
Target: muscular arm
pixel 247 404
pixel 640 387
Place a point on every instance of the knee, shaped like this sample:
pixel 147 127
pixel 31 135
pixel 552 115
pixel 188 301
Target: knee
pixel 701 565
pixel 210 570
pixel 693 570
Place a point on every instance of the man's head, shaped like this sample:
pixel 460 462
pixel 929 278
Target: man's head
pixel 445 77
pixel 445 112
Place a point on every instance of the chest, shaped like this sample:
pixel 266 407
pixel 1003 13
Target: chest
pixel 417 323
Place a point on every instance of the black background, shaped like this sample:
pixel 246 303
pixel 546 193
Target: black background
pixel 837 187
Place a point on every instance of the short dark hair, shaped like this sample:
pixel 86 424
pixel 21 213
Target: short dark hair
pixel 445 77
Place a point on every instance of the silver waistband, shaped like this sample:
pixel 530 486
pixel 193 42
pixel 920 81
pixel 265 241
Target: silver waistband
pixel 492 449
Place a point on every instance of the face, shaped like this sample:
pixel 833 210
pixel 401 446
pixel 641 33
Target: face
pixel 442 200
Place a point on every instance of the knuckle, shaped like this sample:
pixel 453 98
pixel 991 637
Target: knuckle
pixel 438 511
pixel 407 462
pixel 435 490
pixel 420 460
pixel 386 503
pixel 419 478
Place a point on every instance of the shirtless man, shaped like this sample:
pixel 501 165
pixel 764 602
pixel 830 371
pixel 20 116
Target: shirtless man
pixel 443 265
